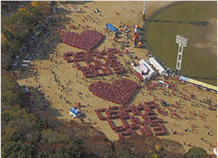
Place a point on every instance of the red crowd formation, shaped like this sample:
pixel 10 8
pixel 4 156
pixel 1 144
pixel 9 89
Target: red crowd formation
pixel 139 76
pixel 119 92
pixel 144 110
pixel 94 66
pixel 87 40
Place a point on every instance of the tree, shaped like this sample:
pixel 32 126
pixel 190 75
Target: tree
pixel 34 12
pixel 3 38
pixel 43 6
pixel 22 9
pixel 123 153
pixel 13 149
pixel 11 47
pixel 35 4
pixel 10 93
pixel 8 35
pixel 15 29
pixel 23 17
pixel 6 117
pixel 196 152
pixel 24 36
pixel 53 3
pixel 6 60
pixel 7 20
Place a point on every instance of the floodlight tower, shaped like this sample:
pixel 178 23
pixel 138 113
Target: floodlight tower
pixel 144 11
pixel 182 41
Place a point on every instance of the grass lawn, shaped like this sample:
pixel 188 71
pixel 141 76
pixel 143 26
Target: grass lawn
pixel 200 55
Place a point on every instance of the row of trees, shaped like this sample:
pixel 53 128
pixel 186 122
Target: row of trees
pixel 17 29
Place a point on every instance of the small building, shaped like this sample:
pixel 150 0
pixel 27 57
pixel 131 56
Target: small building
pixel 161 70
pixel 74 112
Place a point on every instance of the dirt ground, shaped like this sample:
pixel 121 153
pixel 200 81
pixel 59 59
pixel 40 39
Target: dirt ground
pixel 72 82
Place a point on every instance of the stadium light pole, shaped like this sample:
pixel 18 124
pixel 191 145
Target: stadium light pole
pixel 144 11
pixel 182 41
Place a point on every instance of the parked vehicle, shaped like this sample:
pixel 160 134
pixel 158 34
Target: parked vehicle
pixel 32 56
pixel 25 89
pixel 15 65
pixel 47 34
pixel 17 58
pixel 26 57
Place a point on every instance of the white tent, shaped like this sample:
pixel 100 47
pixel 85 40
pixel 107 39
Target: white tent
pixel 145 63
pixel 162 71
pixel 215 151
pixel 145 69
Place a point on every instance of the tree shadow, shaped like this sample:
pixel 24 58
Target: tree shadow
pixel 41 102
pixel 134 96
pixel 195 23
pixel 78 2
pixel 63 11
pixel 98 45
pixel 201 77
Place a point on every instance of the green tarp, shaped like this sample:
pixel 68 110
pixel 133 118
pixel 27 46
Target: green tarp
pixel 36 34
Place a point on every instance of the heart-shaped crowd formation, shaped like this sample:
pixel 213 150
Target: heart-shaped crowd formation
pixel 87 40
pixel 119 92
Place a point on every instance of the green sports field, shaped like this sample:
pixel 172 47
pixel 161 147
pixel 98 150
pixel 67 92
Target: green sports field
pixel 196 21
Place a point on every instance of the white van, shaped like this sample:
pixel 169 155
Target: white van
pixel 26 61
pixel 24 65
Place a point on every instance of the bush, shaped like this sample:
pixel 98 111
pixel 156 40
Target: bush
pixel 196 152
pixel 122 153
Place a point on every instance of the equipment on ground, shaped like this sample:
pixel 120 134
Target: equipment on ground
pixel 165 83
pixel 130 56
pixel 164 103
pixel 96 10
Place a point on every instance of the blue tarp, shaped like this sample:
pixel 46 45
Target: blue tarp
pixel 183 78
pixel 111 27
pixel 74 111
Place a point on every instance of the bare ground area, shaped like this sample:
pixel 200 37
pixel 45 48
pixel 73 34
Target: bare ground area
pixel 72 82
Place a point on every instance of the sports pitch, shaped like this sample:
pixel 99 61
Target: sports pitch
pixel 196 21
